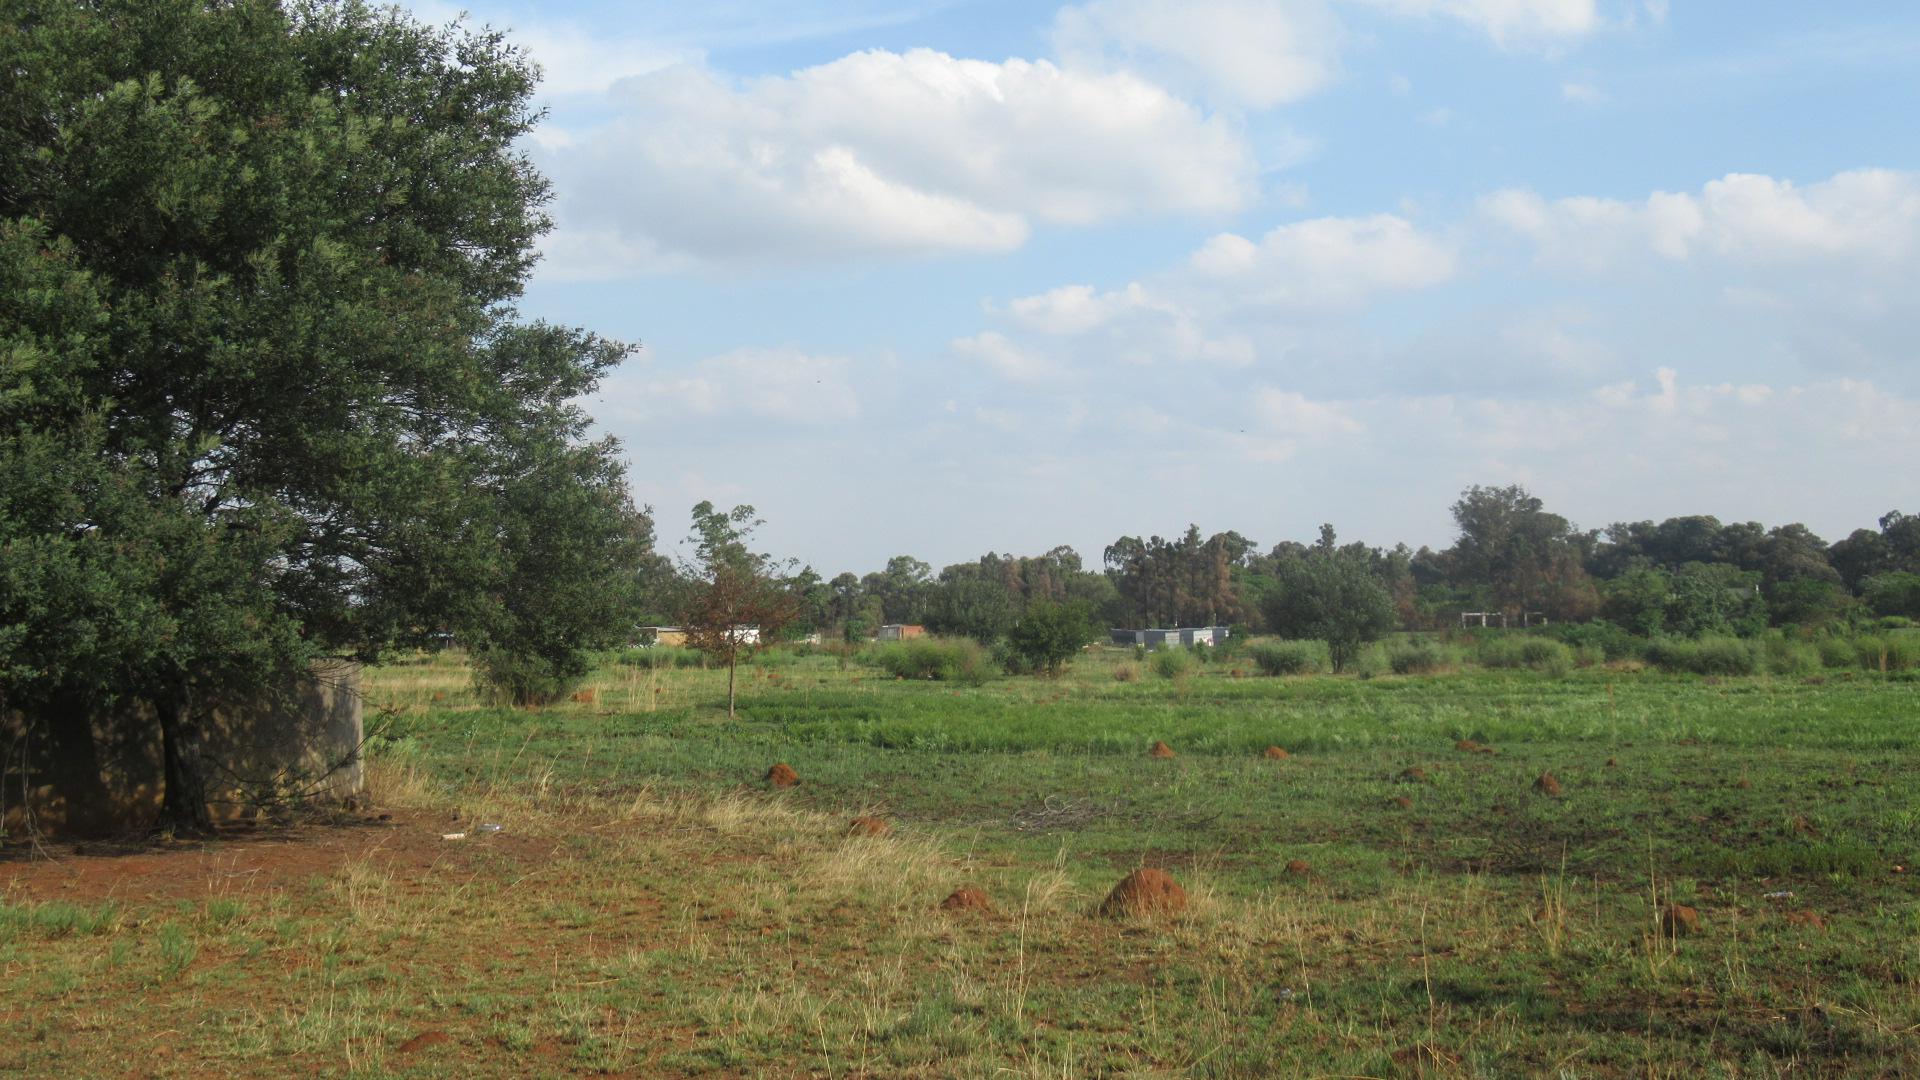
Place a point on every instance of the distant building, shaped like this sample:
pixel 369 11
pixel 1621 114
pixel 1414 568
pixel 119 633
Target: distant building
pixel 1184 636
pixel 676 636
pixel 900 632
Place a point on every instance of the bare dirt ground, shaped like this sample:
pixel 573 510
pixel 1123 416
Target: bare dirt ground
pixel 410 845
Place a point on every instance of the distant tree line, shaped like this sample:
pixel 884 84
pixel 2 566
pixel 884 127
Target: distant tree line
pixel 1512 557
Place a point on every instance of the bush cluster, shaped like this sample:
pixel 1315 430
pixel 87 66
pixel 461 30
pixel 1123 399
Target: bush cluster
pixel 1172 662
pixel 1286 657
pixel 960 660
pixel 1531 653
pixel 663 656
pixel 1419 657
pixel 1705 656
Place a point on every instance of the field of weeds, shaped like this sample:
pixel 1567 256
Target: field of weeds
pixel 1592 874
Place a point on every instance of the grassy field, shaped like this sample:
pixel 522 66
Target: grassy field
pixel 650 908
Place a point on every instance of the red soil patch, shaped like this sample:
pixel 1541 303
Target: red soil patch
pixel 1298 867
pixel 585 697
pixel 1678 920
pixel 1413 774
pixel 967 898
pixel 423 1040
pixel 1146 891
pixel 1274 753
pixel 1402 802
pixel 1161 750
pixel 1804 827
pixel 1613 763
pixel 1809 919
pixel 869 826
pixel 1743 783
pixel 1468 746
pixel 782 775
pixel 256 861
pixel 1548 785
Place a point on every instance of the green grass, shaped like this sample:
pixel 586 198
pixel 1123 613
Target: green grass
pixel 681 920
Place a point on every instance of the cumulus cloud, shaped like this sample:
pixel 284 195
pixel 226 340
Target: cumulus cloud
pixel 1860 214
pixel 1213 308
pixel 1259 53
pixel 1002 357
pixel 1325 262
pixel 880 153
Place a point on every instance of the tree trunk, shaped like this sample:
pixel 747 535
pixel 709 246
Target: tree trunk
pixel 183 806
pixel 733 663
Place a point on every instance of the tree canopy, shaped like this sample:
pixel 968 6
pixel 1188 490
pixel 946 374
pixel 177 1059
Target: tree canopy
pixel 1331 594
pixel 263 390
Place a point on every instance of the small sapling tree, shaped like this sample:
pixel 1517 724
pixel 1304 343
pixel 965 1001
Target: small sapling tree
pixel 738 601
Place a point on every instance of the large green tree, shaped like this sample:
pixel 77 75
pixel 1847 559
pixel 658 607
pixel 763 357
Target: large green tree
pixel 1331 594
pixel 1518 557
pixel 263 390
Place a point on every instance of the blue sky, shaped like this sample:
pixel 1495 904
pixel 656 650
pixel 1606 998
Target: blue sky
pixel 945 278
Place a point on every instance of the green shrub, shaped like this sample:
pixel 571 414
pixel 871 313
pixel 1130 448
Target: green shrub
pixel 1903 651
pixel 656 657
pixel 1530 652
pixel 1707 656
pixel 1896 651
pixel 1285 657
pixel 1368 660
pixel 1836 652
pixel 509 677
pixel 1785 656
pixel 1172 662
pixel 1612 640
pixel 1870 652
pixel 961 660
pixel 1420 657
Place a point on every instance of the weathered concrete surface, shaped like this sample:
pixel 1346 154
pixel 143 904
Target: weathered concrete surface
pixel 103 776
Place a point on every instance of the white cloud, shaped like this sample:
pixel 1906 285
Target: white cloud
pixel 1219 308
pixel 1260 53
pixel 880 153
pixel 1582 93
pixel 783 384
pixel 1510 23
pixel 1004 358
pixel 1325 262
pixel 1295 414
pixel 574 60
pixel 1862 214
pixel 1590 232
pixel 1076 309
pixel 1133 325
